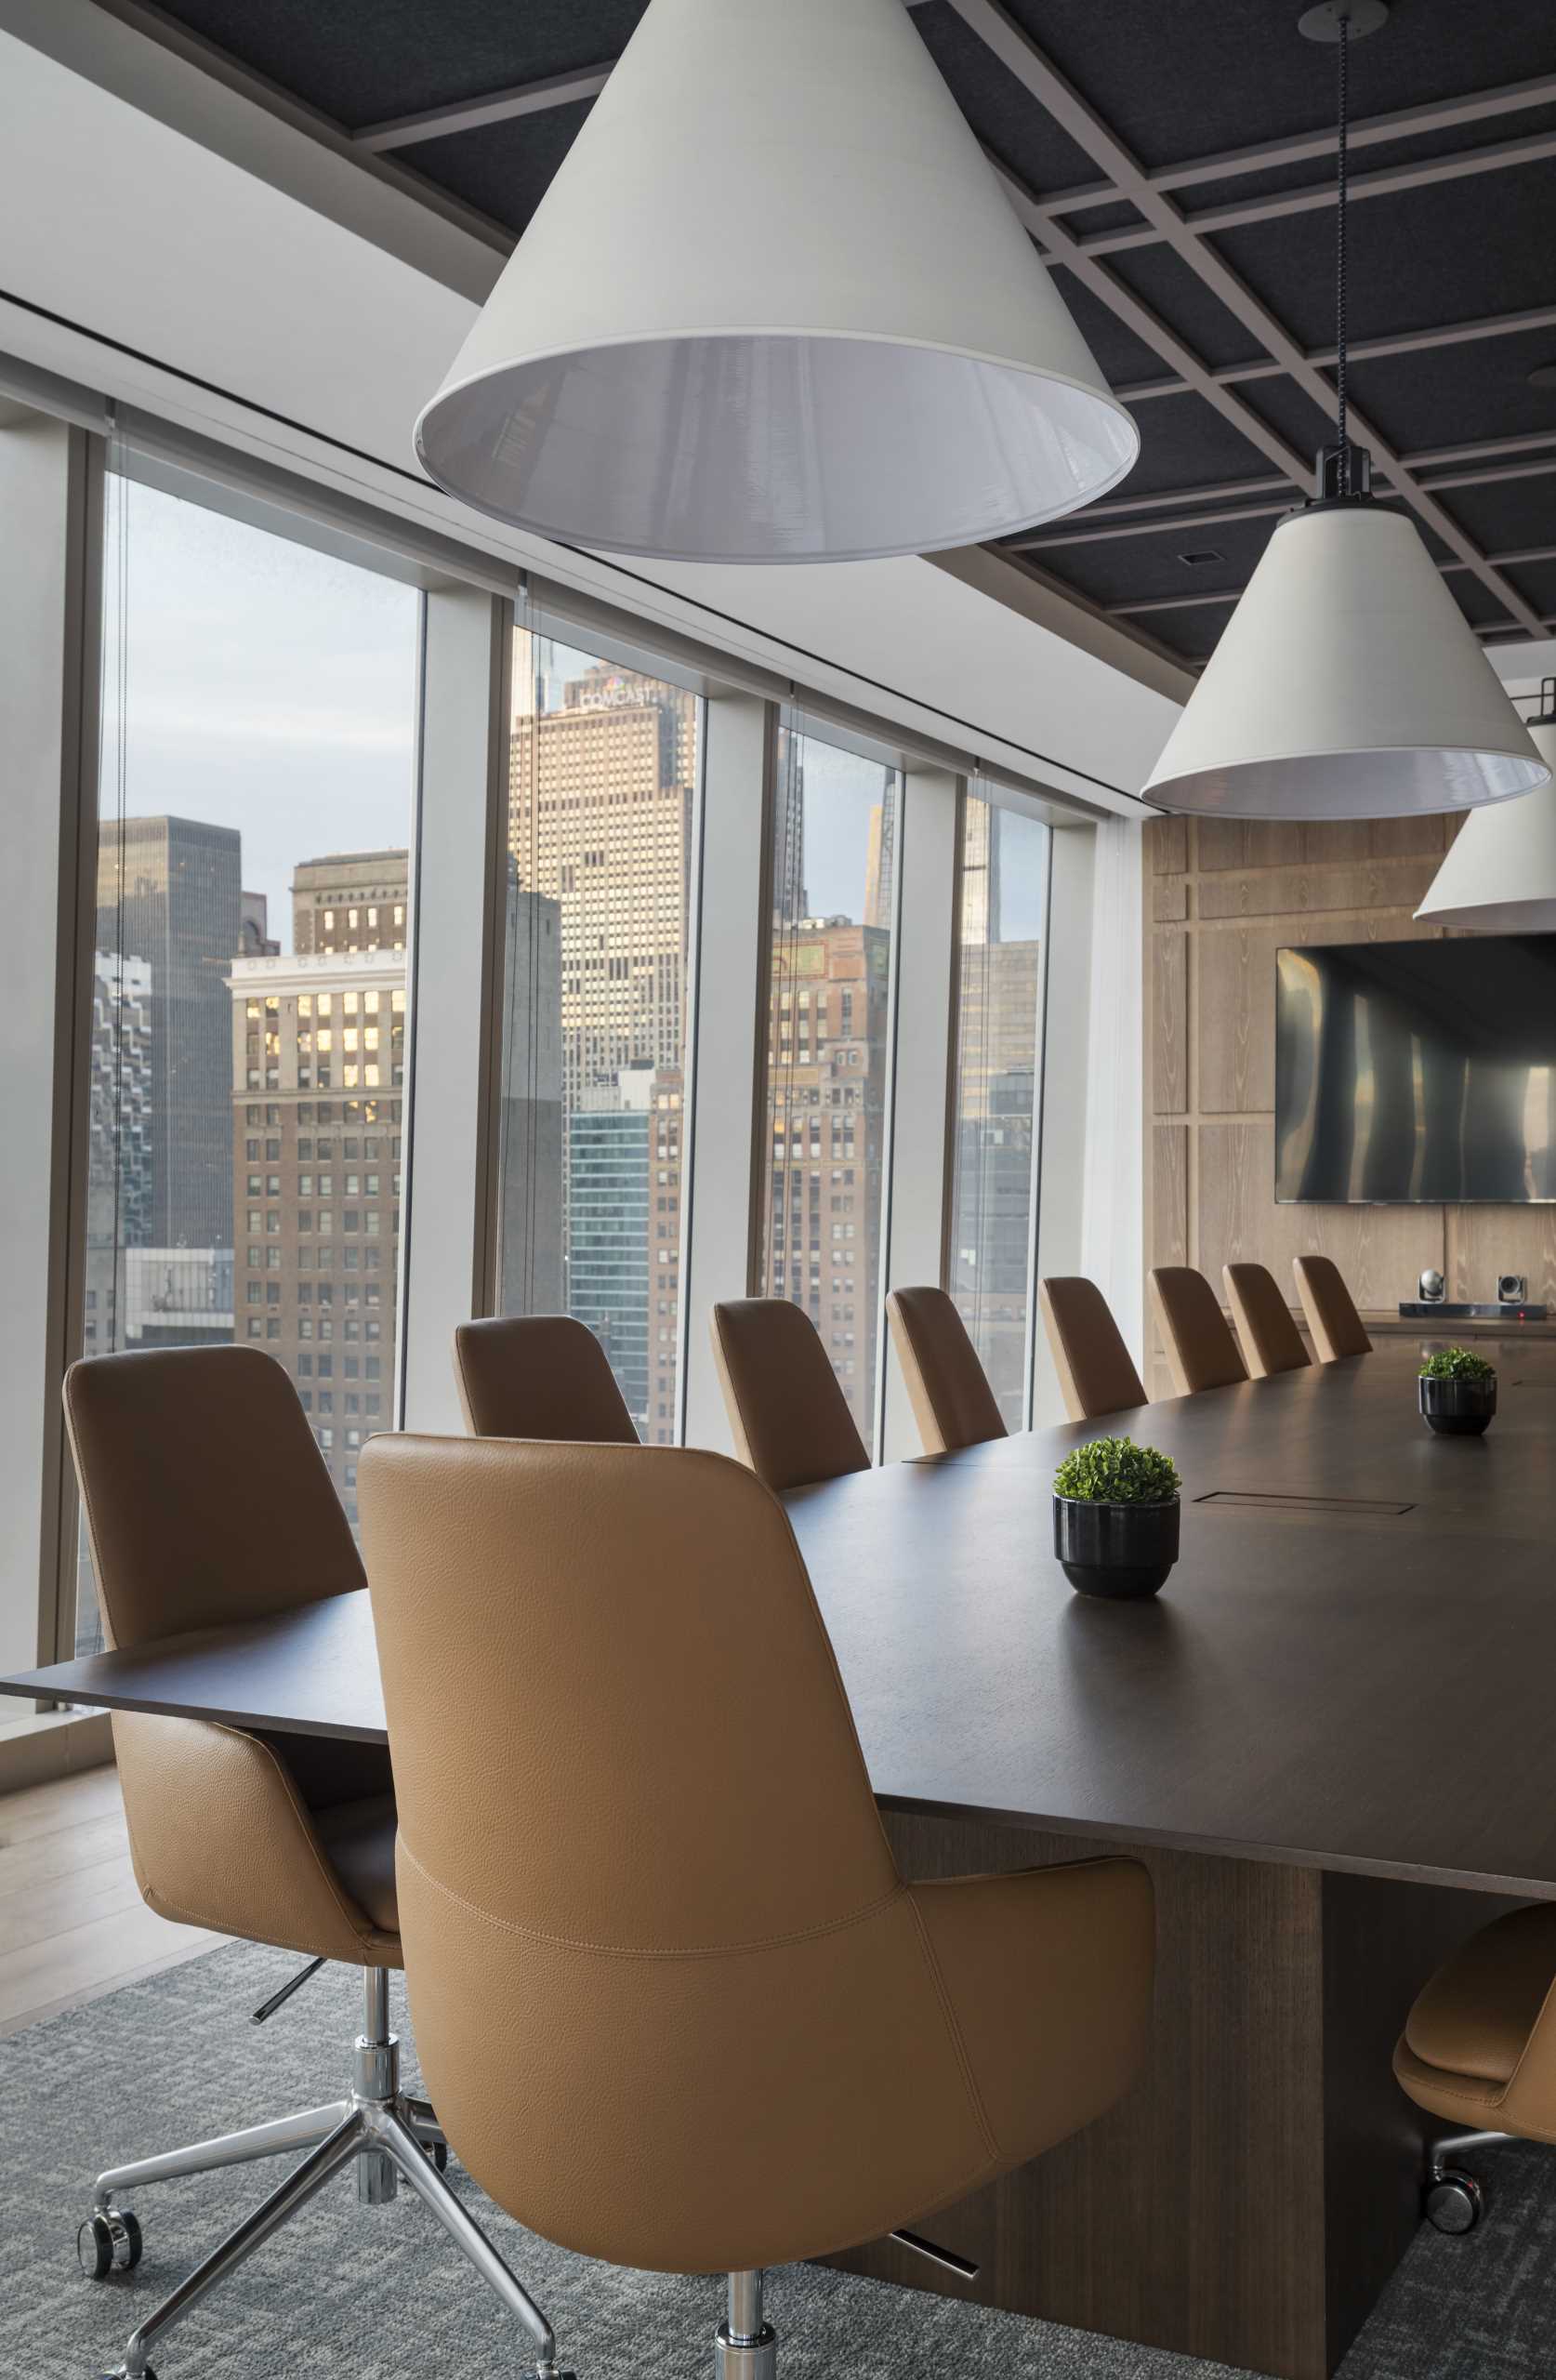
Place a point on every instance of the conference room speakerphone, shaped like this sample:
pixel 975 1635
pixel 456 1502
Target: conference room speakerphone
pixel 1416 1309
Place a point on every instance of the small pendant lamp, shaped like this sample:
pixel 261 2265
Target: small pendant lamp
pixel 775 306
pixel 1347 683
pixel 1499 876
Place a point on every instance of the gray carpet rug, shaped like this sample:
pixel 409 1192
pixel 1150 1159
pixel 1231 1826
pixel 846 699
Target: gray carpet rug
pixel 354 2294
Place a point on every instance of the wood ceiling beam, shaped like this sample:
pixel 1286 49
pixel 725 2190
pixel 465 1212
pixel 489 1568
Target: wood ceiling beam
pixel 1076 117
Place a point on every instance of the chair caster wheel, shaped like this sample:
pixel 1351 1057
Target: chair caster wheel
pixel 108 2244
pixel 1454 2202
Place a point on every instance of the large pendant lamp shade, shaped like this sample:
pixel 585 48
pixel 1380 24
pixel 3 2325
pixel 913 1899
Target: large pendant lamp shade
pixel 1347 685
pixel 1499 876
pixel 775 306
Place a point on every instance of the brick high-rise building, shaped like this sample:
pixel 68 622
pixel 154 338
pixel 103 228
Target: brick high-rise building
pixel 317 1058
pixel 351 901
pixel 826 1057
pixel 170 892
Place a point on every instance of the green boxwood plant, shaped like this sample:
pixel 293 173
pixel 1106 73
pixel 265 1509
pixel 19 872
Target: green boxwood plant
pixel 1114 1471
pixel 1458 1363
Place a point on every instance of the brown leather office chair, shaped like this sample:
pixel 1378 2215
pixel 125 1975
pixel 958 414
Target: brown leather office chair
pixel 206 1502
pixel 1331 1311
pixel 677 2006
pixel 1095 1371
pixel 1478 2049
pixel 1272 1342
pixel 538 1376
pixel 1200 1349
pixel 948 1386
pixel 786 1408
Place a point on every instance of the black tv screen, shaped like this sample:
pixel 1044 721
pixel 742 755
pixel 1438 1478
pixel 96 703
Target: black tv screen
pixel 1417 1072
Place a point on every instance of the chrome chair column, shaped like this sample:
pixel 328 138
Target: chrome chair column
pixel 746 2346
pixel 390 2137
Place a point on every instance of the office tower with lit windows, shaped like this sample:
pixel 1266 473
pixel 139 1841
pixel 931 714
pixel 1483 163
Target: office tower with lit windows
pixel 170 894
pixel 827 1058
pixel 351 901
pixel 600 820
pixel 316 1085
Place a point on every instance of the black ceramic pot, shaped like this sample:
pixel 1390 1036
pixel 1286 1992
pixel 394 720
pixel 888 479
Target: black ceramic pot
pixel 1117 1550
pixel 1458 1408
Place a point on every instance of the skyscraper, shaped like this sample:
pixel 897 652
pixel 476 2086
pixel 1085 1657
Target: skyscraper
pixel 170 892
pixel 608 1136
pixel 881 865
pixel 315 1085
pixel 600 820
pixel 351 901
pixel 826 1060
pixel 530 1235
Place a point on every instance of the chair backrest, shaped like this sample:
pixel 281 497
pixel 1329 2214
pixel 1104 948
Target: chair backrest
pixel 205 1495
pixel 539 1375
pixel 1095 1371
pixel 1332 1318
pixel 786 1408
pixel 953 1403
pixel 1200 1349
pixel 636 1825
pixel 1272 1342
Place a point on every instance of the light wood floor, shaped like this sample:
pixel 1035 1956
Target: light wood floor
pixel 73 1923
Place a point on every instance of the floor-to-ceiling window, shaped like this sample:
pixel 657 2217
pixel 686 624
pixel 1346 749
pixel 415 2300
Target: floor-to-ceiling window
pixel 252 899
pixel 602 795
pixel 833 905
pixel 1002 930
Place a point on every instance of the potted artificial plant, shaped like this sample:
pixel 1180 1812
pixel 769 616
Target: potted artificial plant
pixel 1459 1392
pixel 1115 1513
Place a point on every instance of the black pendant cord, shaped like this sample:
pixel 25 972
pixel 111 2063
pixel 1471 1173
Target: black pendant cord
pixel 1341 292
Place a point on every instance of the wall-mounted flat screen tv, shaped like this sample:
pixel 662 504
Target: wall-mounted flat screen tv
pixel 1417 1072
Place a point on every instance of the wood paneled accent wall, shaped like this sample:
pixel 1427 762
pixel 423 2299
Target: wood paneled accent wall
pixel 1221 897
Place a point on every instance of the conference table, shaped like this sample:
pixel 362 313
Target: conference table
pixel 1330 1739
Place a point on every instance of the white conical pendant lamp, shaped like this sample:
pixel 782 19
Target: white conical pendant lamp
pixel 1499 876
pixel 775 306
pixel 1347 683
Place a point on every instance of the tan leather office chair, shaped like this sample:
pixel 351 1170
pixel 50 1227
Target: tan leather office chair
pixel 1200 1349
pixel 948 1386
pixel 206 1500
pixel 1272 1342
pixel 1095 1372
pixel 1332 1318
pixel 538 1376
pixel 1478 2049
pixel 786 1408
pixel 676 2006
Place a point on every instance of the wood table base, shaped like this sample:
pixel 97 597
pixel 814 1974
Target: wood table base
pixel 1251 2196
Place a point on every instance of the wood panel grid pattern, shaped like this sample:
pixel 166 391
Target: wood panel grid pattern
pixel 1222 896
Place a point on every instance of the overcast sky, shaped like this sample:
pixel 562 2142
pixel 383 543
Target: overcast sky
pixel 267 687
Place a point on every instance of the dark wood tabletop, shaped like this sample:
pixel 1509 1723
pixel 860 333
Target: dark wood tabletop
pixel 1350 1667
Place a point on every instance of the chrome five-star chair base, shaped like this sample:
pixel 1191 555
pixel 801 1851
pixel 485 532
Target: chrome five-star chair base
pixel 385 2133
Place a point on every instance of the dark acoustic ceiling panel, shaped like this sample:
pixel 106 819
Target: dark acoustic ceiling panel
pixel 1153 146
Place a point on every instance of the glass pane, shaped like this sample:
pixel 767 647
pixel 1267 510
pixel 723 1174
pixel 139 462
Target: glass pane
pixel 1005 907
pixel 833 842
pixel 602 776
pixel 253 910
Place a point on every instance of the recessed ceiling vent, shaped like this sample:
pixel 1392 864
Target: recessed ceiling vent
pixel 1200 556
